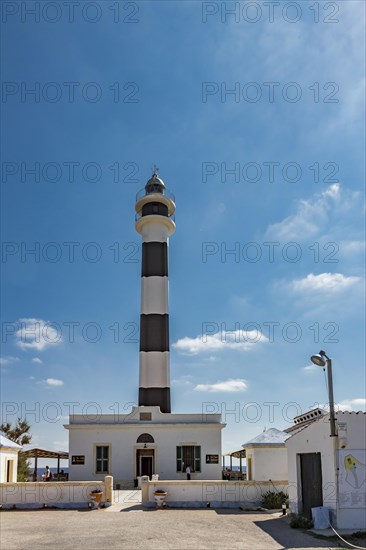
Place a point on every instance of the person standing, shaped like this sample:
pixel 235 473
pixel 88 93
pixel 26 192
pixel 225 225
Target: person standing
pixel 188 472
pixel 48 475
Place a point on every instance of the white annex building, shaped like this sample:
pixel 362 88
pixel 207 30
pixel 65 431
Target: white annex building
pixel 8 459
pixel 336 467
pixel 150 440
pixel 266 456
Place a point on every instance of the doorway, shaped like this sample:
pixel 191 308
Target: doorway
pixel 145 462
pixel 311 482
pixel 9 471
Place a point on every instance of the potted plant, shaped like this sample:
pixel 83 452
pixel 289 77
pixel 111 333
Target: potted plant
pixel 160 496
pixel 96 496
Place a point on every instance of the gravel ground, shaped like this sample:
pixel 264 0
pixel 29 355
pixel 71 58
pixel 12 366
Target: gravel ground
pixel 128 526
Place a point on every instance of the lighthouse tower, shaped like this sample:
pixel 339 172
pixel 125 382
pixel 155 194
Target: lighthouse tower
pixel 146 439
pixel 155 207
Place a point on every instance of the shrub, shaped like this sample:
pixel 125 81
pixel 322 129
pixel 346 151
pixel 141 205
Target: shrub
pixel 300 522
pixel 272 500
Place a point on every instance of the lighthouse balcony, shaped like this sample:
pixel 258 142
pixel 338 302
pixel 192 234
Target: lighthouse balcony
pixel 153 214
pixel 158 190
pixel 155 203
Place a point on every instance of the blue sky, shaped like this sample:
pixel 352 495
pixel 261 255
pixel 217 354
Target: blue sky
pixel 267 262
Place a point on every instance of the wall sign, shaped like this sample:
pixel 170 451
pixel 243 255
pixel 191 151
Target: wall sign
pixel 78 459
pixel 212 459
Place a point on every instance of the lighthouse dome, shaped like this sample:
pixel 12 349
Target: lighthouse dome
pixel 155 185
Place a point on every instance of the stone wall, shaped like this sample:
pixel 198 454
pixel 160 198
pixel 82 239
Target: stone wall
pixel 64 494
pixel 213 494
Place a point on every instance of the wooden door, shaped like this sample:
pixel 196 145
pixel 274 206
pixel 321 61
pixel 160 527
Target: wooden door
pixel 146 466
pixel 311 482
pixel 145 462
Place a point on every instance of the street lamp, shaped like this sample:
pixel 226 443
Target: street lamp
pixel 321 359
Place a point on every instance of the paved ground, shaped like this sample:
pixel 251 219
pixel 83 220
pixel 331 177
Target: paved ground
pixel 125 525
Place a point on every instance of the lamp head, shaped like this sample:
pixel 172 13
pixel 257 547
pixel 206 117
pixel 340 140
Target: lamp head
pixel 319 359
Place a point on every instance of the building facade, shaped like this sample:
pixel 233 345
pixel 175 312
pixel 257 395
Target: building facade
pixel 145 442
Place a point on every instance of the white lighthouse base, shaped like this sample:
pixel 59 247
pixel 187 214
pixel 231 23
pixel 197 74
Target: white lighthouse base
pixel 145 442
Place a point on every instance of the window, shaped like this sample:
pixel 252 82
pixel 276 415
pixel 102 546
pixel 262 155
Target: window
pixel 102 459
pixel 145 438
pixel 189 455
pixel 145 416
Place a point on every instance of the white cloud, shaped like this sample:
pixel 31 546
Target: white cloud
pixel 53 382
pixel 211 359
pixel 61 445
pixel 357 404
pixel 352 247
pixel 324 282
pixel 240 340
pixel 37 334
pixel 231 385
pixel 309 217
pixel 294 49
pixel 8 359
pixel 183 381
pixel 311 368
pixel 37 360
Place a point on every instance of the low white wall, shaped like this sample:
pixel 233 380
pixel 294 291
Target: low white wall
pixel 65 494
pixel 200 494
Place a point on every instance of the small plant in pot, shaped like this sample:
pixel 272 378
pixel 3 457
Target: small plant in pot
pixel 160 496
pixel 96 495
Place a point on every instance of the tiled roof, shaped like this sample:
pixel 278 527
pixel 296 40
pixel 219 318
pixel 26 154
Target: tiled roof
pixel 268 437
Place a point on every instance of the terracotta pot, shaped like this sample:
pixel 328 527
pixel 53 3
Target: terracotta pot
pixel 160 497
pixel 96 497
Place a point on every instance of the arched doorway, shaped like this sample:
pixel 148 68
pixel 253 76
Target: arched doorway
pixel 145 457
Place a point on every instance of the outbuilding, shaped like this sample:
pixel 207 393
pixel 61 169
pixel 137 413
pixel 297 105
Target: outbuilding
pixel 8 459
pixel 266 456
pixel 330 471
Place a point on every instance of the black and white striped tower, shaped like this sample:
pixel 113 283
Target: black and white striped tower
pixel 155 207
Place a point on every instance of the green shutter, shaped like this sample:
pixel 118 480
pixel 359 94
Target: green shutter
pixel 197 459
pixel 179 459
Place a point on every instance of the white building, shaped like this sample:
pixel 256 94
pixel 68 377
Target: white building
pixel 145 442
pixel 266 456
pixel 330 471
pixel 8 460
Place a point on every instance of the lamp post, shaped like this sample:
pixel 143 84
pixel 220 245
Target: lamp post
pixel 321 359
